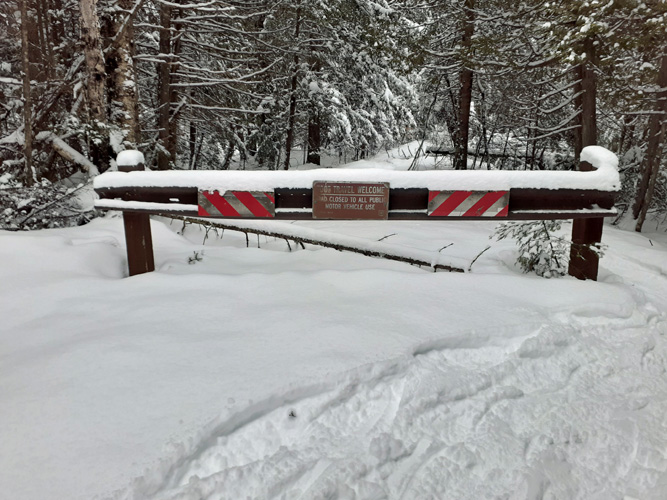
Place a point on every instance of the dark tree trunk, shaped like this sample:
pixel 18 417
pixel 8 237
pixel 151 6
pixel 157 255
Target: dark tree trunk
pixel 292 99
pixel 164 95
pixel 29 174
pixel 627 129
pixel 653 156
pixel 314 137
pixel 48 40
pixel 229 152
pixel 42 41
pixel 583 260
pixel 465 92
pixel 589 131
pixel 175 115
pixel 192 143
pixel 314 121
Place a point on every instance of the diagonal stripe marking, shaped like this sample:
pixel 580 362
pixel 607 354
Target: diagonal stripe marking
pixel 450 204
pixel 251 204
pixel 466 205
pixel 226 210
pixel 501 207
pixel 267 201
pixel 206 208
pixel 236 204
pixel 437 199
pixel 479 208
pixel 504 212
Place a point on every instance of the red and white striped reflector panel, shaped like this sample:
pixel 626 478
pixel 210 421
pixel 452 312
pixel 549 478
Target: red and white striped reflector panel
pixel 468 203
pixel 243 204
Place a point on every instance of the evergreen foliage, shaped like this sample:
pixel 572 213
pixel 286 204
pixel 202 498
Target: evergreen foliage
pixel 541 249
pixel 241 84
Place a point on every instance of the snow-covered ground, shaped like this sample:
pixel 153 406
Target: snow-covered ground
pixel 281 372
pixel 269 373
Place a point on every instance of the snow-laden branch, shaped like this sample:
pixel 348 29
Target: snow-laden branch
pixel 10 81
pixel 562 105
pixel 227 109
pixel 186 5
pixel 68 152
pixel 553 132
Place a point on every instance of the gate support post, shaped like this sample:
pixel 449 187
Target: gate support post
pixel 584 262
pixel 138 237
pixel 139 243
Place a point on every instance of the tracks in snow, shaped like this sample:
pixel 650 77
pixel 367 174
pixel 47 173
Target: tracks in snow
pixel 554 409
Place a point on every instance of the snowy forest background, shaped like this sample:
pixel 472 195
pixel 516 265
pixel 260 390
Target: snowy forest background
pixel 272 84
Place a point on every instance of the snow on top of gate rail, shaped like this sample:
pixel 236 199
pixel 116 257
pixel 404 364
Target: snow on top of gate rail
pixel 605 178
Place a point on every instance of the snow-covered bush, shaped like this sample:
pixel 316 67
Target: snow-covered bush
pixel 44 205
pixel 540 250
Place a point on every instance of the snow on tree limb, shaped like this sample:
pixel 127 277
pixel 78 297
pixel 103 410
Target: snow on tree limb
pixel 68 152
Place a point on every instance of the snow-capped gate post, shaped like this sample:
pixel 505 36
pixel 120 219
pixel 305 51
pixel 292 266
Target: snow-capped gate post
pixel 584 260
pixel 138 236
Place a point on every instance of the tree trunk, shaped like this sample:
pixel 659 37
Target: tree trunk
pixel 174 116
pixel 29 173
pixel 229 152
pixel 626 134
pixel 48 48
pixel 164 95
pixel 314 121
pixel 123 95
pixel 465 92
pixel 42 41
pixel 293 87
pixel 314 137
pixel 578 105
pixel 583 260
pixel 192 143
pixel 95 83
pixel 653 156
pixel 589 131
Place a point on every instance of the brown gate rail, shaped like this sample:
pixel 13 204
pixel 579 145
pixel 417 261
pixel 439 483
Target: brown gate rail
pixel 139 200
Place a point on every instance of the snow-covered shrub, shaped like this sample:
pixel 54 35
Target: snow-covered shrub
pixel 540 250
pixel 44 205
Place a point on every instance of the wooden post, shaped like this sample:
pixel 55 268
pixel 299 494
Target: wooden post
pixel 139 243
pixel 584 261
pixel 138 236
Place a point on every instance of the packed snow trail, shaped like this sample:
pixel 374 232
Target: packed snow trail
pixel 551 411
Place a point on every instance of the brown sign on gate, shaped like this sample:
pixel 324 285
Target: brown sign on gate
pixel 350 200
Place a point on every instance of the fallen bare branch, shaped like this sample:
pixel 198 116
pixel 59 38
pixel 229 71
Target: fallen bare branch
pixel 336 246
